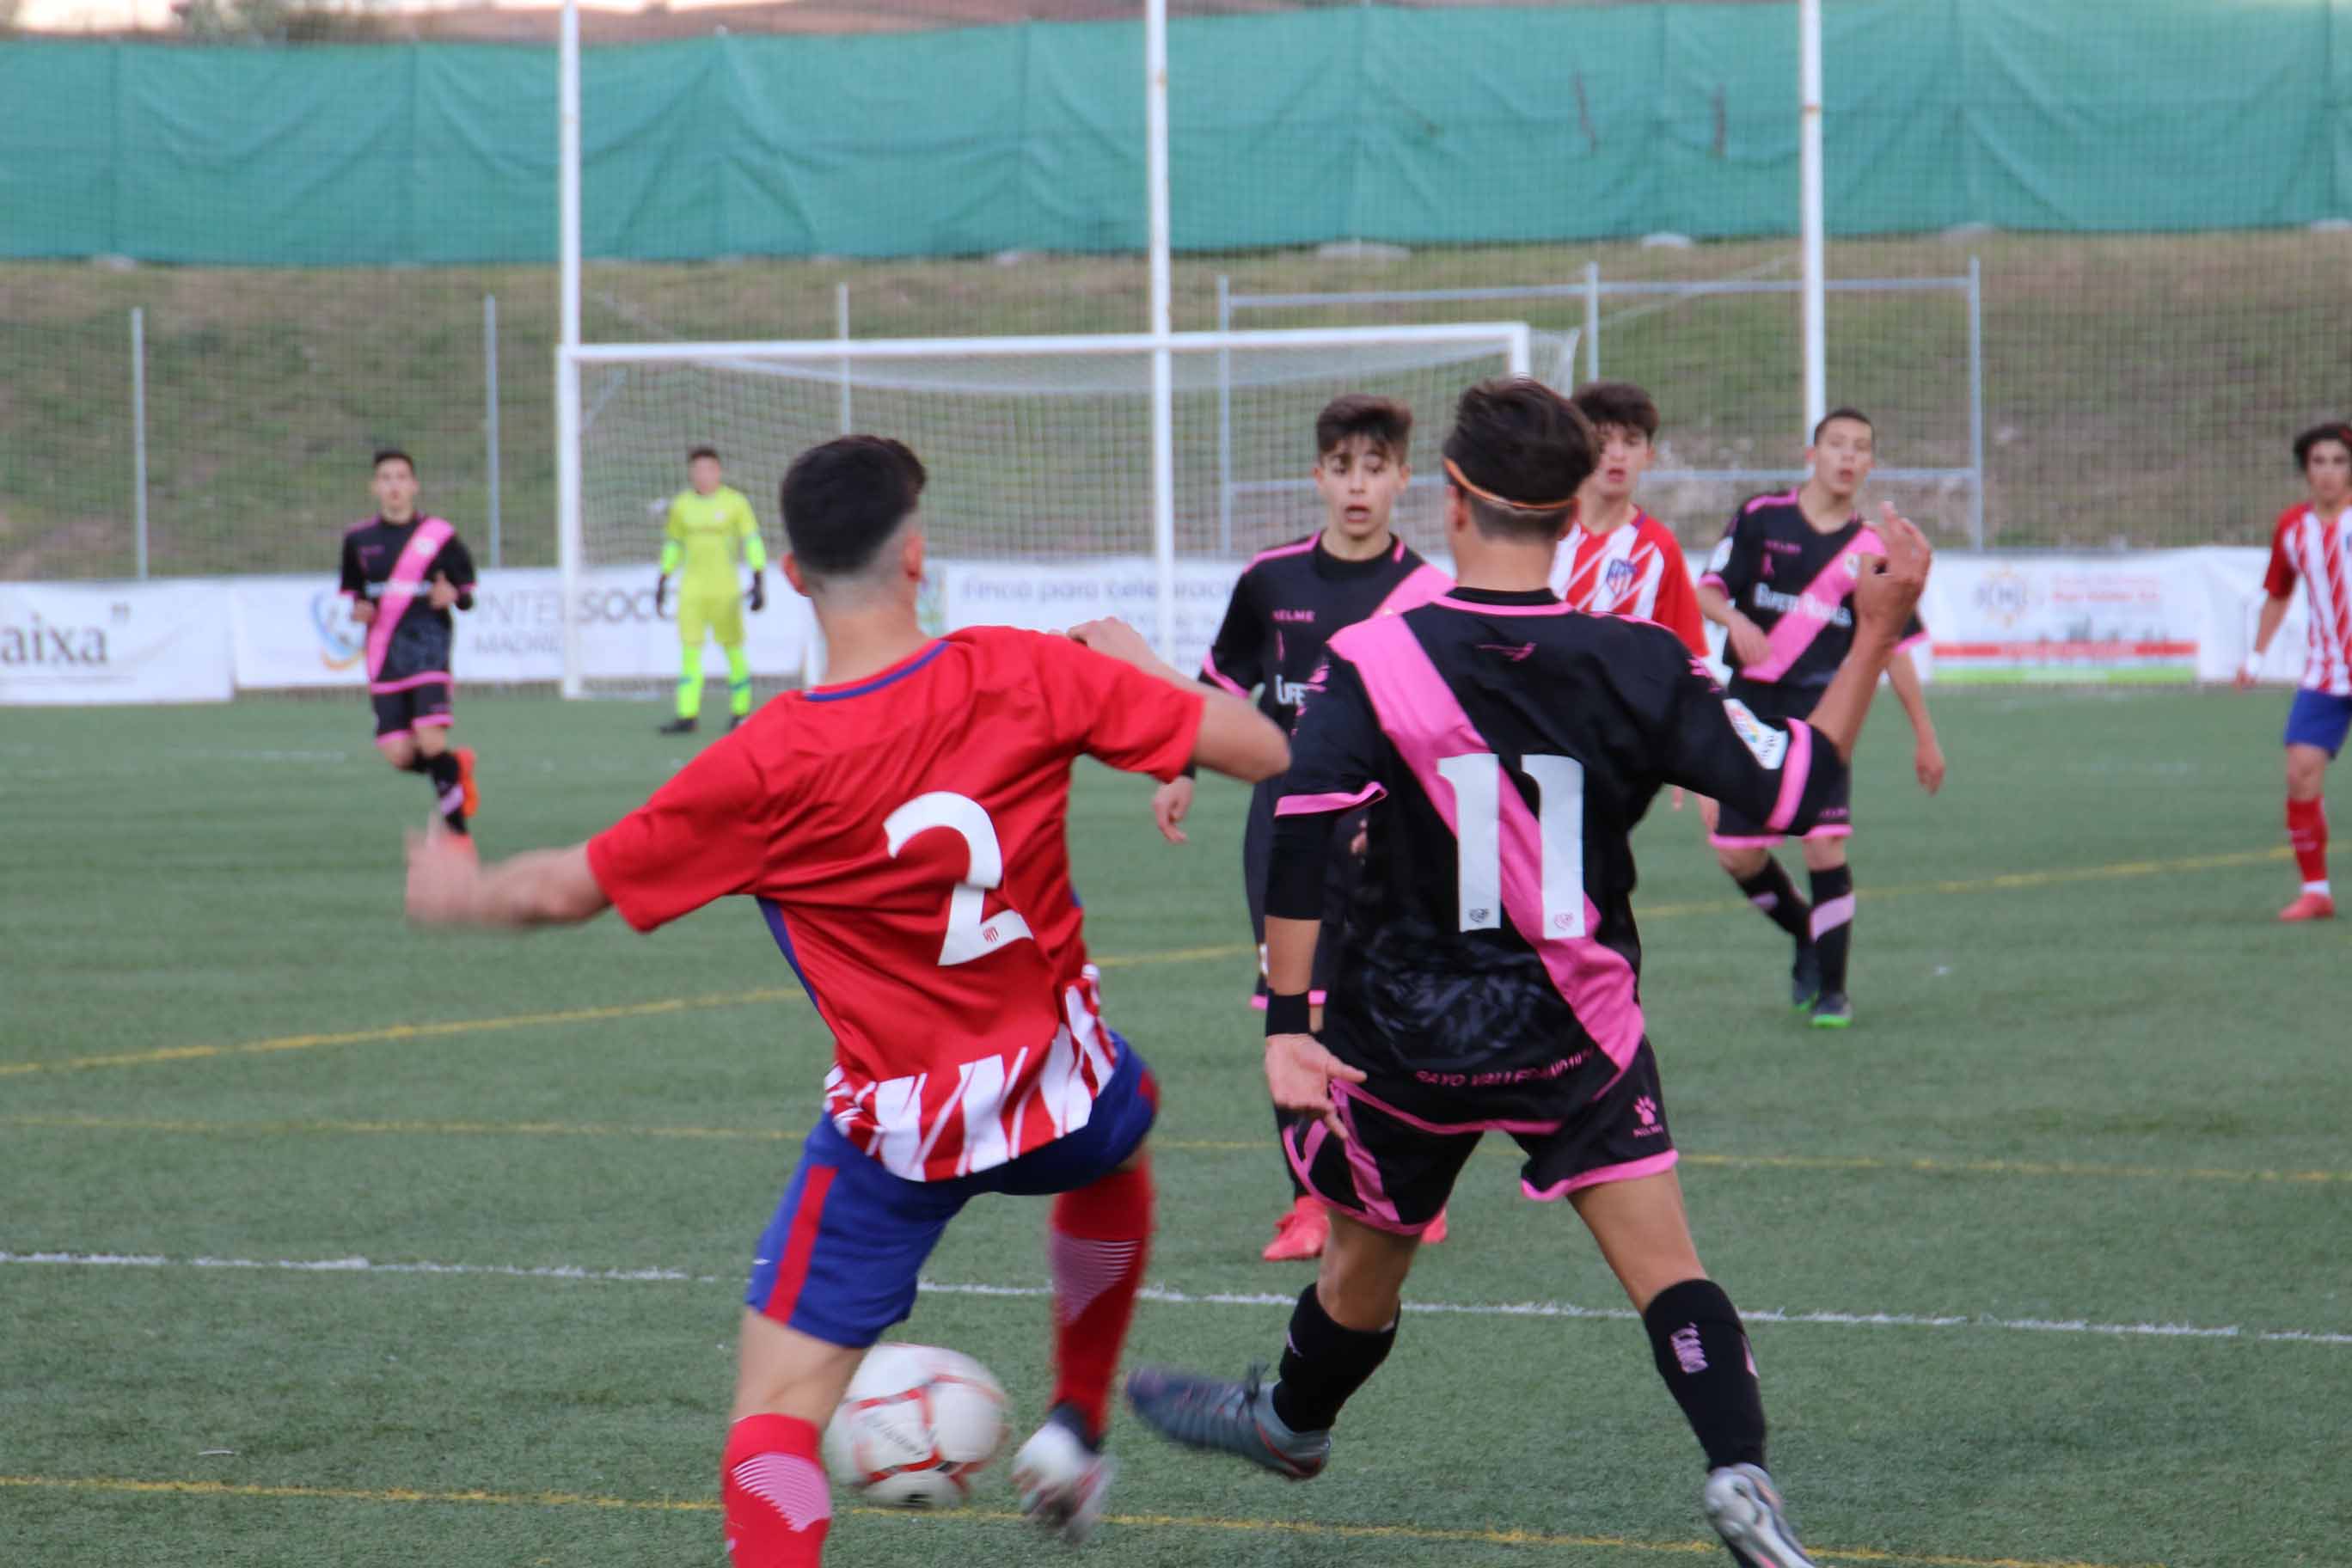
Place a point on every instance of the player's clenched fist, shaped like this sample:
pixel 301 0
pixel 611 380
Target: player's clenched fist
pixel 1116 637
pixel 1299 1074
pixel 1886 595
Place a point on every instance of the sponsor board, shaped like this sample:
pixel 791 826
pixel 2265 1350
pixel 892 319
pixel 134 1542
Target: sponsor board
pixel 126 642
pixel 1049 596
pixel 298 631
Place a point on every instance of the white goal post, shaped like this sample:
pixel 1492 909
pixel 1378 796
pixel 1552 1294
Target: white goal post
pixel 1064 448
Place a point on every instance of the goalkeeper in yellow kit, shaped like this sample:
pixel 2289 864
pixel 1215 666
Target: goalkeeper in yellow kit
pixel 706 523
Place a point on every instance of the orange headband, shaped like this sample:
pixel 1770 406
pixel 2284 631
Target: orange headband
pixel 1455 469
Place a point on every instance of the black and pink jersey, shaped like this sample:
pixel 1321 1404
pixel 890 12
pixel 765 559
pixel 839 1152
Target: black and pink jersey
pixel 393 565
pixel 1797 583
pixel 1507 746
pixel 1287 604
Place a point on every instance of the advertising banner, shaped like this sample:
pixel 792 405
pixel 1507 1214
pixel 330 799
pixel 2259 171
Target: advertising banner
pixel 298 631
pixel 2112 619
pixel 121 642
pixel 1049 596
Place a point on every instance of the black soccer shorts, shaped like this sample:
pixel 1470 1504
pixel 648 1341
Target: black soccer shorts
pixel 1408 1139
pixel 412 707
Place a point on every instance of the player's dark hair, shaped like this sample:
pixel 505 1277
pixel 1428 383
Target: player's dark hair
pixel 386 453
pixel 842 500
pixel 2334 430
pixel 1618 402
pixel 1384 424
pixel 701 452
pixel 1519 451
pixel 1856 414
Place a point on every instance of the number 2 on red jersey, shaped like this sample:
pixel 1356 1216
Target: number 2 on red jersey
pixel 968 936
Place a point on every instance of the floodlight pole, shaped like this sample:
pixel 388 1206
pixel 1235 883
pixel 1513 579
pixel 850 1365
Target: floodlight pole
pixel 1163 375
pixel 1810 202
pixel 569 534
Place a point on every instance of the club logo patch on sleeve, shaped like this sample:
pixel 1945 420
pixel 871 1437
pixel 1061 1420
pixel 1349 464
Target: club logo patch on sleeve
pixel 1768 745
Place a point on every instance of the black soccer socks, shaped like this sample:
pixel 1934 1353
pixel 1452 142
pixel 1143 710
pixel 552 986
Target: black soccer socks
pixel 1323 1364
pixel 448 790
pixel 1834 924
pixel 1702 1353
pixel 1775 898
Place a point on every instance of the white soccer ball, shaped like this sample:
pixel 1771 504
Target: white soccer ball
pixel 917 1424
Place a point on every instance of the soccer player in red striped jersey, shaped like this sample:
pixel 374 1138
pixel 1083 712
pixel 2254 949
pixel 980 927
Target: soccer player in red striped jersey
pixel 2312 542
pixel 1782 585
pixel 1619 560
pixel 902 831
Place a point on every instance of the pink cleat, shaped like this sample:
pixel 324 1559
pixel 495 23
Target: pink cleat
pixel 2310 907
pixel 1299 1234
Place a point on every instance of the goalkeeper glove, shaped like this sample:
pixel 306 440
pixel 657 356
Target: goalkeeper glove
pixel 661 591
pixel 759 592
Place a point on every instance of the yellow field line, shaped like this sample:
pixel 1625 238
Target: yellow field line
pixel 2007 881
pixel 324 1127
pixel 1520 1538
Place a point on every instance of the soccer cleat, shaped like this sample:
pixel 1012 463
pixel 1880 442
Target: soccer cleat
pixel 1805 978
pixel 1832 1011
pixel 1299 1234
pixel 2310 907
pixel 1235 1418
pixel 677 727
pixel 1434 1234
pixel 466 780
pixel 1745 1511
pixel 1061 1479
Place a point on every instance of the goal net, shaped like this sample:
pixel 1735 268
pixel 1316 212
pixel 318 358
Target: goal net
pixel 1043 506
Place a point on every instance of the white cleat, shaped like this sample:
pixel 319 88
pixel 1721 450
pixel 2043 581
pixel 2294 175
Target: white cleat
pixel 1062 1483
pixel 1745 1510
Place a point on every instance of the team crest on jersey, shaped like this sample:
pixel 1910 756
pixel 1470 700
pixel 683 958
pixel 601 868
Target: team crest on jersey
pixel 1768 745
pixel 1618 578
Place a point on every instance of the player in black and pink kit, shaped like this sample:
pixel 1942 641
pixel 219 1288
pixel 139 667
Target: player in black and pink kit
pixel 1489 977
pixel 402 574
pixel 1782 586
pixel 1287 604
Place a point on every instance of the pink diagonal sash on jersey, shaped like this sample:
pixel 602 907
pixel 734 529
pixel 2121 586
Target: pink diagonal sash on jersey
pixel 1421 585
pixel 1419 715
pixel 401 586
pixel 1794 632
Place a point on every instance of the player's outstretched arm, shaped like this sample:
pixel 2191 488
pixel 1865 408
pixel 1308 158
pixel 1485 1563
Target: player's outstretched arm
pixel 1235 738
pixel 1884 599
pixel 447 886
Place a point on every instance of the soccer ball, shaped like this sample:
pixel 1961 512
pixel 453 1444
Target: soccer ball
pixel 917 1424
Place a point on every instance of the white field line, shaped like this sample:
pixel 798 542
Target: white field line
pixel 1170 1297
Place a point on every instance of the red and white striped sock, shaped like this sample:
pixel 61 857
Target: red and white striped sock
pixel 1100 1241
pixel 2306 830
pixel 778 1502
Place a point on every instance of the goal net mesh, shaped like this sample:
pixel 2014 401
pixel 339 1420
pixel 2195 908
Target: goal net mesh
pixel 1037 456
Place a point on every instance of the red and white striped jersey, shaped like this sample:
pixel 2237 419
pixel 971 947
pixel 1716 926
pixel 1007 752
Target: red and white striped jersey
pixel 904 837
pixel 1636 569
pixel 2319 550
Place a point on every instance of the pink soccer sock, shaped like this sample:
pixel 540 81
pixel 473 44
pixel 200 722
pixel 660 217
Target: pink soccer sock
pixel 1101 1238
pixel 777 1500
pixel 2306 830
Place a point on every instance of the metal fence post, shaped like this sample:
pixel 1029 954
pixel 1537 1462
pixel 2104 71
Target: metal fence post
pixel 1976 402
pixel 841 330
pixel 1224 420
pixel 1592 321
pixel 490 413
pixel 139 431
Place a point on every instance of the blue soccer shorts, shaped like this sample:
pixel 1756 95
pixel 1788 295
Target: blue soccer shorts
pixel 2319 720
pixel 841 1258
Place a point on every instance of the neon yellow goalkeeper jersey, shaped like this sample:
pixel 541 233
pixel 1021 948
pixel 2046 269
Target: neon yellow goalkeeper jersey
pixel 704 531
